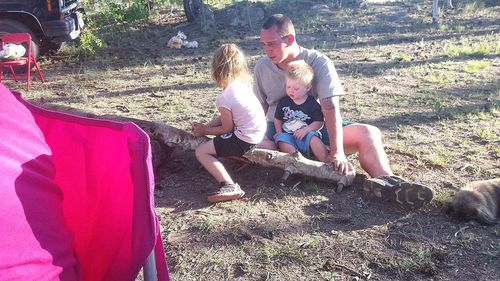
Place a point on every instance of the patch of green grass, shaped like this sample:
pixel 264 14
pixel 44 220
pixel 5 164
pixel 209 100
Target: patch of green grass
pixel 183 265
pixel 269 250
pixel 458 28
pixel 438 107
pixel 311 22
pixel 443 27
pixel 487 134
pixel 218 3
pixel 405 264
pixel 206 225
pixel 466 239
pixel 397 168
pixel 472 49
pixel 402 56
pixel 483 116
pixel 420 260
pixel 472 6
pixel 283 253
pixel 87 45
pixel 465 111
pixel 471 152
pixel 475 66
pixel 217 260
pixel 311 243
pixel 440 156
pixel 440 77
pixel 442 197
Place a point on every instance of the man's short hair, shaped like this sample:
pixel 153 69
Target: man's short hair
pixel 300 70
pixel 283 24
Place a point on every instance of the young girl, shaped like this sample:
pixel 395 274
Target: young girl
pixel 241 126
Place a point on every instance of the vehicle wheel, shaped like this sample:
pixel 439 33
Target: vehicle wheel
pixel 50 48
pixel 192 9
pixel 12 26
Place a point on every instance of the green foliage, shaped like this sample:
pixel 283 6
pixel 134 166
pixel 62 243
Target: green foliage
pixel 442 197
pixel 89 43
pixel 475 66
pixel 439 157
pixel 113 12
pixel 283 253
pixel 269 251
pixel 472 49
pixel 206 225
pixel 487 134
pixel 440 77
pixel 102 13
pixel 438 107
pixel 419 260
pixel 137 11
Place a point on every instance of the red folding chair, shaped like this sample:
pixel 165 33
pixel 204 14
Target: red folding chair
pixel 28 60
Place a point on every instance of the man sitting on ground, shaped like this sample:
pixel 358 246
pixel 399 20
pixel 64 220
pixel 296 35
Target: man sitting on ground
pixel 277 37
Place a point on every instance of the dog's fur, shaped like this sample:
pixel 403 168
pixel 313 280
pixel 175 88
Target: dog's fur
pixel 480 201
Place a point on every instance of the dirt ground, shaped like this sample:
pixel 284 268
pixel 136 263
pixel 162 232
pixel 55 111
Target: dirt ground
pixel 433 90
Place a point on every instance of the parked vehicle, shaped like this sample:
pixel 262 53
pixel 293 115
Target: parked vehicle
pixel 50 22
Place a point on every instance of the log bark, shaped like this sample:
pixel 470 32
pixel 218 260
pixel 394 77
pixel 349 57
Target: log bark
pixel 298 164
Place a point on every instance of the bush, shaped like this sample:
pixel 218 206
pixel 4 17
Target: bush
pixel 89 43
pixel 106 13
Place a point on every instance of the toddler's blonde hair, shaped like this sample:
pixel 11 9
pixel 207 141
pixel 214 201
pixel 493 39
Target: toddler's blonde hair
pixel 229 64
pixel 300 70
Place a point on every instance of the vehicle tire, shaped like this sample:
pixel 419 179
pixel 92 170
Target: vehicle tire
pixel 13 26
pixel 192 9
pixel 50 48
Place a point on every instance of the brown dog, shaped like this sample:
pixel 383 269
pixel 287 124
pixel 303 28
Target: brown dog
pixel 480 200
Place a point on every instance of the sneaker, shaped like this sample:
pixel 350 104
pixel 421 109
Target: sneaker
pixel 397 189
pixel 228 192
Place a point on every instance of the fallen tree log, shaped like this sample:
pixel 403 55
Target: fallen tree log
pixel 290 163
pixel 298 164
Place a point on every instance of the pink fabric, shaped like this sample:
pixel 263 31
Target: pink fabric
pixel 34 241
pixel 102 173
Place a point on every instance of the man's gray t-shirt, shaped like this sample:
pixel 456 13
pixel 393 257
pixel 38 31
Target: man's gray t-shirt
pixel 269 80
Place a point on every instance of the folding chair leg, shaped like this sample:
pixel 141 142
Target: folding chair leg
pixel 28 76
pixel 38 70
pixel 149 269
pixel 13 72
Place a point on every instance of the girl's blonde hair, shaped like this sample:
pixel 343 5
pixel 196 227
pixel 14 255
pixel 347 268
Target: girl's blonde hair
pixel 300 70
pixel 229 64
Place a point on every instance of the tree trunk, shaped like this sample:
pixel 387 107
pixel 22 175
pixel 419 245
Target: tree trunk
pixel 435 11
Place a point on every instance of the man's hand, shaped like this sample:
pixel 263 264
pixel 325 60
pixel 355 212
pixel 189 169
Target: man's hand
pixel 340 163
pixel 197 129
pixel 301 133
